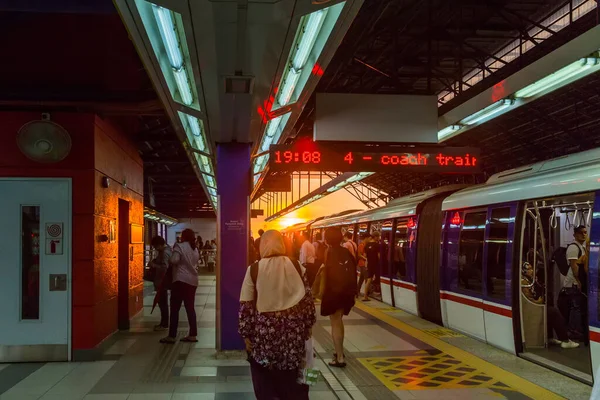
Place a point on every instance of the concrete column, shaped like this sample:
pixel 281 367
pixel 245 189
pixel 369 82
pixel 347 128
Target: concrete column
pixel 233 181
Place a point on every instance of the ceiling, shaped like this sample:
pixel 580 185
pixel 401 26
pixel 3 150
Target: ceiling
pixel 423 47
pixel 88 64
pixel 564 122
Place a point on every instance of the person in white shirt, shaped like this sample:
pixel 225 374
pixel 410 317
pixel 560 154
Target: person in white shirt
pixel 574 291
pixel 349 244
pixel 308 258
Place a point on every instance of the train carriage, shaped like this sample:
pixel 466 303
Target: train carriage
pixel 457 255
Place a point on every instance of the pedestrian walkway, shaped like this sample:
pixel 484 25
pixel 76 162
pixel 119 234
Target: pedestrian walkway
pixel 390 355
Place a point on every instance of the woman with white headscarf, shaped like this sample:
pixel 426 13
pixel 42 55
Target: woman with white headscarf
pixel 276 316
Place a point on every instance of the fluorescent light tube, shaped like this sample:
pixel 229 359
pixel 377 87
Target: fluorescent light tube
pixel 205 165
pixel 488 111
pixel 210 181
pixel 314 22
pixel 272 133
pixel 289 85
pixel 183 85
pixel 196 131
pixel 448 130
pixel 166 27
pixel 558 77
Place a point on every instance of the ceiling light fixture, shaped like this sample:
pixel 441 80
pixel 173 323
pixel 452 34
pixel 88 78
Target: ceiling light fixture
pixel 172 44
pixel 448 131
pixel 488 112
pixel 554 81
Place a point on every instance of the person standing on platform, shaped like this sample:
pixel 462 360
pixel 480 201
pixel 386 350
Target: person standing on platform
pixel 340 289
pixel 307 258
pixel 161 265
pixel 350 245
pixel 199 243
pixel 373 259
pixel 276 316
pixel 184 263
pixel 257 242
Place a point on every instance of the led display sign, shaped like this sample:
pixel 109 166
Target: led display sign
pixel 359 157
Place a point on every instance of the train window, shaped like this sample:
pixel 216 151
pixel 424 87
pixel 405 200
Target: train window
pixel 496 252
pixel 316 236
pixel 362 229
pixel 470 251
pixel 400 248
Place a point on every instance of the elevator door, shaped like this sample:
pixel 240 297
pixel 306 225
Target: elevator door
pixel 35 215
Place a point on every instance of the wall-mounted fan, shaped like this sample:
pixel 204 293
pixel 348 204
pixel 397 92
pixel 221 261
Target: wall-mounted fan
pixel 44 141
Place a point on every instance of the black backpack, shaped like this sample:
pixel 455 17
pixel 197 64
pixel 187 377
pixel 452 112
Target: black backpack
pixel 559 258
pixel 341 271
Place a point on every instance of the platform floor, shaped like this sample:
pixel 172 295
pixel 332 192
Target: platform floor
pixel 391 355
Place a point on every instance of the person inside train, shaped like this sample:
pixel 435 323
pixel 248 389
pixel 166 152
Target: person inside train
pixel 308 258
pixel 399 260
pixel 372 249
pixel 572 299
pixel 533 290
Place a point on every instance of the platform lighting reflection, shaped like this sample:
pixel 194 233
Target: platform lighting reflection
pixel 488 112
pixel 561 76
pixel 172 43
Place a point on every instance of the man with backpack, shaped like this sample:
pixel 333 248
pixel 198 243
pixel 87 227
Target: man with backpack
pixel 572 299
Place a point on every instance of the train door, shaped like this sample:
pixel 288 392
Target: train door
pixel 428 260
pixel 553 306
pixel 376 290
pixel 386 253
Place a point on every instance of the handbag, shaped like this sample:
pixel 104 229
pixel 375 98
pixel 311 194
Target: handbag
pixel 318 287
pixel 149 272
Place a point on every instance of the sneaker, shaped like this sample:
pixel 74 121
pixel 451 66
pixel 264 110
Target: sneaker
pixel 569 345
pixel 160 328
pixel 555 341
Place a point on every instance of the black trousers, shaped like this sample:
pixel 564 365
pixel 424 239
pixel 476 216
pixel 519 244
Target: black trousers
pixel 186 294
pixel 573 307
pixel 163 306
pixel 557 324
pixel 272 384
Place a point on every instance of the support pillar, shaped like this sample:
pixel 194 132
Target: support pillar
pixel 233 219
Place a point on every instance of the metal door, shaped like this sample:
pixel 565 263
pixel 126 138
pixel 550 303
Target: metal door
pixel 35 265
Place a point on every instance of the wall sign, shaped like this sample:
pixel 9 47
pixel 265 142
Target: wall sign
pixel 367 157
pixel 54 238
pixel 136 234
pixel 54 247
pixel 112 231
pixel 54 230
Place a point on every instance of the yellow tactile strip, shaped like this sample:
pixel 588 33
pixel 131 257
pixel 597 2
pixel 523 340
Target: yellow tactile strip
pixel 524 386
pixel 428 372
pixel 443 333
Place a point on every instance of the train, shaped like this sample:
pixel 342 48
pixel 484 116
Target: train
pixel 455 255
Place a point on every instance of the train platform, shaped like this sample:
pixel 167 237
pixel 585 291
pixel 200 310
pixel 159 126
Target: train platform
pixel 390 355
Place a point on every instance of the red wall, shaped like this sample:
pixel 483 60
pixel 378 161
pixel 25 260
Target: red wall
pixel 98 149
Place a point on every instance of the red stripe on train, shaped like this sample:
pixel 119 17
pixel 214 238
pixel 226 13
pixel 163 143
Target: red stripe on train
pixel 405 286
pixel 595 336
pixel 477 304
